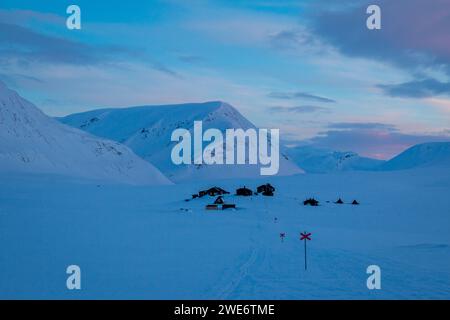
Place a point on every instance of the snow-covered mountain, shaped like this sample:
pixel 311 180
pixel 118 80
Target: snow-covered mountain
pixel 32 142
pixel 421 155
pixel 147 131
pixel 320 160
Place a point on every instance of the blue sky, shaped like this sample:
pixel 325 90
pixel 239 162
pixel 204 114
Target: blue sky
pixel 310 68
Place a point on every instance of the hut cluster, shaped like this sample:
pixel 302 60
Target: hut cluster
pixel 314 203
pixel 264 189
pixel 220 204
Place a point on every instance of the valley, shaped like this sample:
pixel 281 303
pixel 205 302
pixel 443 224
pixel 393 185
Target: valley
pixel 140 242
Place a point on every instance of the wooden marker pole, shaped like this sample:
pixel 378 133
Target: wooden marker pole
pixel 304 236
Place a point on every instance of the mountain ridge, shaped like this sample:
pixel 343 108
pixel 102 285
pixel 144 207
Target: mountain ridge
pixel 321 160
pixel 147 131
pixel 420 155
pixel 32 142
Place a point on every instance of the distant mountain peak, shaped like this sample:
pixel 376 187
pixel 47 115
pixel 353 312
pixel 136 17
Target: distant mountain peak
pixel 321 160
pixel 147 131
pixel 421 155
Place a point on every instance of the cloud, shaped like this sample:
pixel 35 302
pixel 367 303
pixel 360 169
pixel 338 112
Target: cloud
pixel 191 59
pixel 299 109
pixel 375 140
pixel 414 33
pixel 24 45
pixel 298 39
pixel 299 95
pixel 18 42
pixel 164 69
pixel 417 89
pixel 362 125
pixel 236 26
pixel 17 77
pixel 23 17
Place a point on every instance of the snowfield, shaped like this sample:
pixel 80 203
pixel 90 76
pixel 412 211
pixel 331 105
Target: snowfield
pixel 146 242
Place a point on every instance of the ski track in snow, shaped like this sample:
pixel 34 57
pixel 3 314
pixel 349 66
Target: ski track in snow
pixel 243 272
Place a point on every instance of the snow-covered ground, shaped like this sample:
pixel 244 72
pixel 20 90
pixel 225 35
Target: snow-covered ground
pixel 147 242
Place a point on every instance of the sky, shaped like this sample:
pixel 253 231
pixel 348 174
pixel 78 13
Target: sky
pixel 310 68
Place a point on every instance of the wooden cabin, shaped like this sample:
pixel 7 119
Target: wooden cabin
pixel 244 192
pixel 311 202
pixel 219 200
pixel 214 191
pixel 266 189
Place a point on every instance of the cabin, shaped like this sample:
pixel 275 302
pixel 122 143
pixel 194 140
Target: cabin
pixel 219 200
pixel 266 189
pixel 339 201
pixel 223 206
pixel 214 191
pixel 311 201
pixel 228 206
pixel 244 192
pixel 219 204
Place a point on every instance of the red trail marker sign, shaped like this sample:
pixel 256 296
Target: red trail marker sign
pixel 304 236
